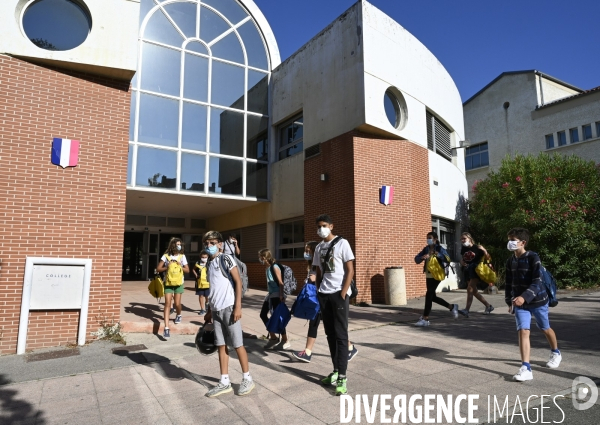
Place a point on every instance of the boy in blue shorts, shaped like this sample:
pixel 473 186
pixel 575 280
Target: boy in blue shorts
pixel 525 296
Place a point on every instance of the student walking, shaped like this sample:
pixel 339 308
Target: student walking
pixel 231 246
pixel 472 255
pixel 433 249
pixel 274 297
pixel 313 325
pixel 202 285
pixel 174 263
pixel 526 296
pixel 225 310
pixel 333 260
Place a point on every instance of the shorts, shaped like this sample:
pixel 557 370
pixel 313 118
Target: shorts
pixel 224 326
pixel 523 317
pixel 174 289
pixel 203 292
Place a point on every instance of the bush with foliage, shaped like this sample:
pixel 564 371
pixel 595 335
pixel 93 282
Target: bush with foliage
pixel 557 198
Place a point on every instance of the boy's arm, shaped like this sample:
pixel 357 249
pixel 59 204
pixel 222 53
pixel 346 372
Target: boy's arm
pixel 508 285
pixel 419 257
pixel 536 284
pixel 237 306
pixel 348 276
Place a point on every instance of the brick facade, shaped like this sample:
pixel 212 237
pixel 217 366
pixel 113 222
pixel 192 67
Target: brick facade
pixel 357 165
pixel 48 211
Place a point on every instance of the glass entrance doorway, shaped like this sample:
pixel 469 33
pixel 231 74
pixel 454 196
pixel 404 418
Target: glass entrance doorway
pixel 133 256
pixel 157 245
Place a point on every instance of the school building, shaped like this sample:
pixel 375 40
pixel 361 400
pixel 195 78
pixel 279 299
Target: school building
pixel 125 123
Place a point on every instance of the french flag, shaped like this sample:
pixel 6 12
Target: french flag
pixel 65 152
pixel 387 195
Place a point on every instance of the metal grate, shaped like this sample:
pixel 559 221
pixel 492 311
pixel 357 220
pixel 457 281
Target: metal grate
pixel 430 136
pixel 312 151
pixel 438 137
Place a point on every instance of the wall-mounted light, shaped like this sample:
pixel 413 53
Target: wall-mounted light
pixel 462 144
pixel 324 177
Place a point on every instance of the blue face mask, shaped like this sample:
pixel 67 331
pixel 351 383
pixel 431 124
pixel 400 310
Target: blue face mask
pixel 429 241
pixel 212 250
pixel 307 256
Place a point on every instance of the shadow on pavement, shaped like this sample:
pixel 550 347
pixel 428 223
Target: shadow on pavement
pixel 15 411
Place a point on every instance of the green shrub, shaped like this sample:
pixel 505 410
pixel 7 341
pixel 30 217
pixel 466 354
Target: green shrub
pixel 557 198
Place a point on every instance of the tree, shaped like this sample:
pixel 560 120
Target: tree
pixel 43 43
pixel 557 198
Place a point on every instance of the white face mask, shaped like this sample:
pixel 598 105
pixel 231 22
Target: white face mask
pixel 323 232
pixel 203 260
pixel 512 245
pixel 466 244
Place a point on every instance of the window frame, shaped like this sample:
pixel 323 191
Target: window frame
pixel 583 134
pixel 293 245
pixel 478 152
pixel 574 131
pixel 549 140
pixel 282 148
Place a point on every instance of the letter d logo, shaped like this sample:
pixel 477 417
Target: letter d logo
pixel 580 389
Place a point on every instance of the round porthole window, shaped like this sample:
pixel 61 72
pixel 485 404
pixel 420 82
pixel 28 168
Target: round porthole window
pixel 57 24
pixel 392 108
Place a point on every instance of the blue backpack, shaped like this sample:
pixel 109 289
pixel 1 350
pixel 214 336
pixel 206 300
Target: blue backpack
pixel 306 305
pixel 550 285
pixel 279 319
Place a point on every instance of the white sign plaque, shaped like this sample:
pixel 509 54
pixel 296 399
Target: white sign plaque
pixel 55 287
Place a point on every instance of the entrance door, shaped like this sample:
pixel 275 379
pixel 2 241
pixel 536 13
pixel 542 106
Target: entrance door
pixel 132 256
pixel 157 245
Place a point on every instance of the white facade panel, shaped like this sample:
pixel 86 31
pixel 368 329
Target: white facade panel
pixel 451 186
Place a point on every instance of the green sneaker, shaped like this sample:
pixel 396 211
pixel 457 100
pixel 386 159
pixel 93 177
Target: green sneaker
pixel 331 379
pixel 340 386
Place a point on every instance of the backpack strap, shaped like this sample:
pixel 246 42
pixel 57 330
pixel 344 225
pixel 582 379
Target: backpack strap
pixel 272 270
pixel 333 242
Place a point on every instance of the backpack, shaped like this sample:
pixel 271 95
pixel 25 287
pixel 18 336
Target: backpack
pixel 549 284
pixel 287 275
pixel 279 319
pixel 242 270
pixel 174 275
pixel 306 305
pixel 156 288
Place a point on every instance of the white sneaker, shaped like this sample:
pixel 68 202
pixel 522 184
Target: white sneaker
pixel 554 361
pixel 464 312
pixel 488 309
pixel 282 346
pixel 454 311
pixel 523 375
pixel 422 322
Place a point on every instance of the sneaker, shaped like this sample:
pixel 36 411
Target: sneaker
pixel 523 375
pixel 301 355
pixel 246 387
pixel 331 379
pixel 201 313
pixel 177 319
pixel 422 322
pixel 352 353
pixel 172 310
pixel 488 309
pixel 464 312
pixel 340 386
pixel 282 346
pixel 219 389
pixel 454 311
pixel 167 333
pixel 554 361
pixel 271 343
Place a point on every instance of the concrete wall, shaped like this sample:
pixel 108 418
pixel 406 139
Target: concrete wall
pixel 447 184
pixel 110 49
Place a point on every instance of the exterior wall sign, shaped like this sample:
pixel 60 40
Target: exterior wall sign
pixel 386 195
pixel 65 152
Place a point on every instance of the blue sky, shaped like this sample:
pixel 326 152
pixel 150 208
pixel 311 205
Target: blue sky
pixel 476 40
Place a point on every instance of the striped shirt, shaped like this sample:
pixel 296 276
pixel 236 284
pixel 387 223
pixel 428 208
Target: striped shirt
pixel 524 279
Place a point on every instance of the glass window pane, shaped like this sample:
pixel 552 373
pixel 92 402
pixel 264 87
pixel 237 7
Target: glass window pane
pixel 298 129
pixel 257 137
pixel 485 159
pixel 226 176
pixel 258 92
pixel 192 172
pixel 56 24
pixel 160 29
pixel 184 15
pixel 292 150
pixel 549 141
pixel 574 135
pixel 390 104
pixel 256 180
pixel 298 231
pixel 483 147
pixel 227 85
pixel 193 126
pixel 298 252
pixel 587 131
pixel 156 168
pixel 195 80
pixel 473 149
pixel 145 6
pixel 230 8
pixel 160 69
pixel 228 48
pixel 562 138
pixel 598 129
pixel 286 231
pixel 468 162
pixel 196 46
pixel 129 163
pixel 226 132
pixel 211 25
pixel 255 48
pixel 132 115
pixel 476 161
pixel 159 120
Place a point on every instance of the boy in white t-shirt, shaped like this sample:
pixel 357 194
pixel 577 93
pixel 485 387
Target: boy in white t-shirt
pixel 332 261
pixel 225 309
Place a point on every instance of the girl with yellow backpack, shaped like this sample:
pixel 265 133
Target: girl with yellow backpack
pixel 202 285
pixel 174 264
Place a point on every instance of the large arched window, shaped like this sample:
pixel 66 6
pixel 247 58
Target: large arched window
pixel 199 105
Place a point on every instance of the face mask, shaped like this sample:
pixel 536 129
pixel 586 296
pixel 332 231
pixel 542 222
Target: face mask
pixel 466 244
pixel 307 256
pixel 429 241
pixel 212 250
pixel 512 245
pixel 178 247
pixel 323 232
pixel 261 261
pixel 203 260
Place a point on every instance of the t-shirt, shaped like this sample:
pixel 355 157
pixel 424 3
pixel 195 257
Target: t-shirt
pixel 471 255
pixel 221 289
pixel 182 260
pixel 228 247
pixel 272 285
pixel 333 271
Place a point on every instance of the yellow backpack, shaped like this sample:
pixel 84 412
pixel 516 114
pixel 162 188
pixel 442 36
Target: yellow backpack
pixel 201 282
pixel 174 275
